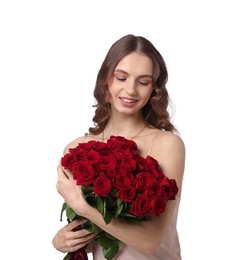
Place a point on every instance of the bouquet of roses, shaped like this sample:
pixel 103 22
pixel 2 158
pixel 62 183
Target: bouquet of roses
pixel 118 182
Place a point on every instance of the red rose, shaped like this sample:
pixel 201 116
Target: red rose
pixel 107 163
pixel 174 189
pixel 67 161
pixel 102 186
pixel 83 173
pixel 109 173
pixel 128 164
pixel 120 154
pixel 141 163
pixel 154 190
pixel 120 171
pixel 158 206
pixel 144 180
pixel 78 152
pixel 141 206
pixel 92 145
pixel 127 194
pixel 154 167
pixel 80 254
pixel 121 181
pixel 115 142
pixel 170 188
pixel 131 176
pixel 92 157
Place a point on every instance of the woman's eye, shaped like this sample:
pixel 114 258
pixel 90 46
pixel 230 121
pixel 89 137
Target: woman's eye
pixel 143 83
pixel 120 78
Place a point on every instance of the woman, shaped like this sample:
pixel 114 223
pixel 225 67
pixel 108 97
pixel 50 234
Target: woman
pixel 132 102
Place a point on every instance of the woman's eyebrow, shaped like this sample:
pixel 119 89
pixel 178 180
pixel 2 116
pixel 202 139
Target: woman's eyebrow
pixel 140 76
pixel 120 70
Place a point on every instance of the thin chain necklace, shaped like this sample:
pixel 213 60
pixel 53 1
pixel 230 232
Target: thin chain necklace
pixel 134 136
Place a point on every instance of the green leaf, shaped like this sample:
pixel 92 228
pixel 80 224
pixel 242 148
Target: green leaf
pixel 104 207
pixel 119 202
pixel 124 214
pixel 108 217
pixel 67 257
pixel 110 236
pixel 111 251
pixel 70 214
pixel 100 204
pixel 64 206
pixel 105 242
pixel 93 228
pixel 87 190
pixel 119 207
pixel 91 199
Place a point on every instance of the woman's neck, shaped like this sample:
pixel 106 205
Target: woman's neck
pixel 127 126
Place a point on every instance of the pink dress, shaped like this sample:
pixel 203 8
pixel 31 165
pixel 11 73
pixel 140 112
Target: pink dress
pixel 169 249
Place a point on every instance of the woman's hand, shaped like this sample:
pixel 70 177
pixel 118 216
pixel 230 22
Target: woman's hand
pixel 72 193
pixel 68 240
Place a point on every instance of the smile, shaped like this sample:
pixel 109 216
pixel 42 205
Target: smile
pixel 128 100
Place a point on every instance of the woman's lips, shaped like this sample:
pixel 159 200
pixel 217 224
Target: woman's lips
pixel 128 101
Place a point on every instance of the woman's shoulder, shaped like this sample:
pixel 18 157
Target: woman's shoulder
pixel 82 139
pixel 169 150
pixel 165 143
pixel 170 138
pixel 158 136
pixel 155 141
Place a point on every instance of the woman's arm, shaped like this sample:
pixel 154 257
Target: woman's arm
pixel 147 236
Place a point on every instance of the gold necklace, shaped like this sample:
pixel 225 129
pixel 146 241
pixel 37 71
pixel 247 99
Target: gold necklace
pixel 137 134
pixel 134 136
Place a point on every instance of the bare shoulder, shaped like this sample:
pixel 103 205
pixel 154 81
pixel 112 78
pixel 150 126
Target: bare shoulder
pixel 169 150
pixel 170 142
pixel 82 139
pixel 75 142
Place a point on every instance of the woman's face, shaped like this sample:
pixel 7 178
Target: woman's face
pixel 131 85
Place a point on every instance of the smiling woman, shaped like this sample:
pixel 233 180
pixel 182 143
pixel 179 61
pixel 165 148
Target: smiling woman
pixel 132 108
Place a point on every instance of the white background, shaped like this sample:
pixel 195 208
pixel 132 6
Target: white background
pixel 50 52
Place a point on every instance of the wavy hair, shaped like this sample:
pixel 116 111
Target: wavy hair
pixel 155 111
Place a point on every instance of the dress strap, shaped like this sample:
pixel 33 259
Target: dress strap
pixel 152 142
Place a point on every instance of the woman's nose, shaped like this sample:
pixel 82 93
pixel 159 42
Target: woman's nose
pixel 131 88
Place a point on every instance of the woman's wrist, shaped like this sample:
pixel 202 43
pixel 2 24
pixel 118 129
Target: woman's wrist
pixel 84 209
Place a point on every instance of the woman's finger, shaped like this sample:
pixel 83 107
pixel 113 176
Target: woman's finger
pixel 75 223
pixel 73 245
pixel 63 173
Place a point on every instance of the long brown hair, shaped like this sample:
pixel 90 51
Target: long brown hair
pixel 155 111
